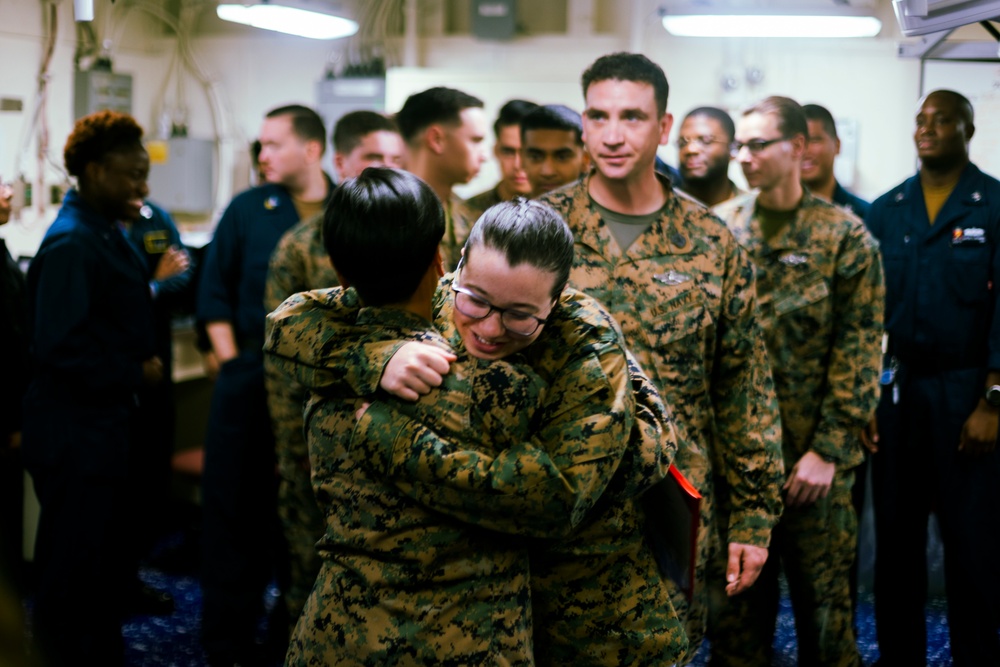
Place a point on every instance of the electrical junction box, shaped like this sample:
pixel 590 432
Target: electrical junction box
pixel 493 19
pixel 180 174
pixel 98 89
pixel 336 97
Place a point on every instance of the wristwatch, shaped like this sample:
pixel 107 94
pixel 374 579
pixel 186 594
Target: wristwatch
pixel 992 396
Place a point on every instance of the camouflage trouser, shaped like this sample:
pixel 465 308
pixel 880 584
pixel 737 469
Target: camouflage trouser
pixel 301 519
pixel 303 525
pixel 814 546
pixel 598 599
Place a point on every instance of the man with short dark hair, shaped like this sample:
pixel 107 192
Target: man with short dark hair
pixel 552 148
pixel 363 139
pixel 934 440
pixel 683 291
pixel 822 148
pixel 704 149
pixel 242 538
pixel 507 149
pixel 819 289
pixel 444 131
pixel 300 262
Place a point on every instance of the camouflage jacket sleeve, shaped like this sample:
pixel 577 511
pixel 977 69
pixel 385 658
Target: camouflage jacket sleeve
pixel 541 485
pixel 652 442
pixel 313 338
pixel 284 272
pixel 855 354
pixel 747 417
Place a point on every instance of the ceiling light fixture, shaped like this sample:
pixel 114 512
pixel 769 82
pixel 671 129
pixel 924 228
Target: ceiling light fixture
pixel 706 19
pixel 289 20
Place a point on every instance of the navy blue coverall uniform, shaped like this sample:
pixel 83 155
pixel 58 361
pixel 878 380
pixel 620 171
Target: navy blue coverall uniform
pixel 844 198
pixel 13 383
pixel 91 328
pixel 942 286
pixel 152 235
pixel 242 548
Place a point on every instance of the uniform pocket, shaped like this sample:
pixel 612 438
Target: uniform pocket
pixel 678 335
pixel 969 273
pixel 812 289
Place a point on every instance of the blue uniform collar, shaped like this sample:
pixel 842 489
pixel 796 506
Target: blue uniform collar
pixel 970 189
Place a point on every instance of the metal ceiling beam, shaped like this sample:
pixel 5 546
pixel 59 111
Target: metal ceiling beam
pixel 934 46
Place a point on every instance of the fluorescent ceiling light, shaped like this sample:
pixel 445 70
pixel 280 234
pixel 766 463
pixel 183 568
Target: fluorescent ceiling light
pixel 754 25
pixel 289 20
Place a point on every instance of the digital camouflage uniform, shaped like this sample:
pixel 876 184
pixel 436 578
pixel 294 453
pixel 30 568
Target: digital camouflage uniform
pixel 597 596
pixel 820 299
pixel 459 218
pixel 684 296
pixel 401 585
pixel 299 263
pixel 478 204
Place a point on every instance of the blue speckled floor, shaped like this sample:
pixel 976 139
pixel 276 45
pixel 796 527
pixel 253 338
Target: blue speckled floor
pixel 786 650
pixel 173 640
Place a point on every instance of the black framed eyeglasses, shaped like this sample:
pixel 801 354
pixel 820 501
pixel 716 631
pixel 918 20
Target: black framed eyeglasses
pixel 755 145
pixel 516 322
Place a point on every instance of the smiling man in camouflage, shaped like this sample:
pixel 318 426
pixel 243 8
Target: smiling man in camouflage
pixel 683 291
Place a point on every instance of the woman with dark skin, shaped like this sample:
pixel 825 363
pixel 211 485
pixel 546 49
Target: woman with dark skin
pixel 90 322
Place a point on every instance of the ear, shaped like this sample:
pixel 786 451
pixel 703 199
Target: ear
pixel 666 123
pixel 435 137
pixel 836 146
pixel 338 165
pixel 438 263
pixel 92 172
pixel 798 146
pixel 585 163
pixel 314 150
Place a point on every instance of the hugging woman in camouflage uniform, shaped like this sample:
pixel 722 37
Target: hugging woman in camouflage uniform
pixel 520 461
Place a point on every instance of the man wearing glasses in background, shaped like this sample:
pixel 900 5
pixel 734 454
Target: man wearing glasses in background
pixel 820 300
pixel 704 148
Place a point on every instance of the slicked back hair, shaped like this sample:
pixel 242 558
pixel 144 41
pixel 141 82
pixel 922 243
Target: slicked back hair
pixel 526 232
pixel 382 231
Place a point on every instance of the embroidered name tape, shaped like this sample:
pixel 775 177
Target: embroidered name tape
pixel 968 235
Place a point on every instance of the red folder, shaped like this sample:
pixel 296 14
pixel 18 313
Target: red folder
pixel 673 514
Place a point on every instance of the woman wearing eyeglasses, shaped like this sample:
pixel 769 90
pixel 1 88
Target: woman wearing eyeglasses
pixel 596 596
